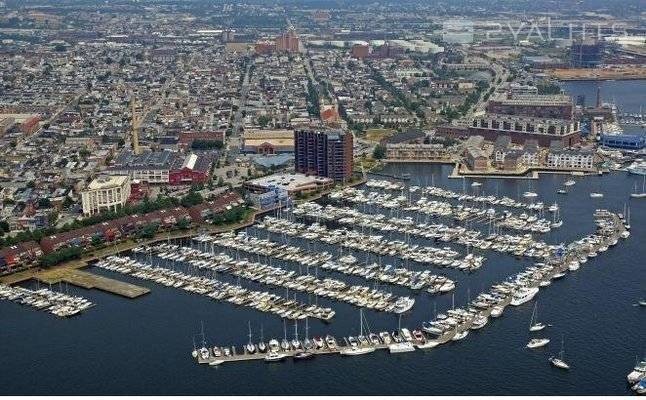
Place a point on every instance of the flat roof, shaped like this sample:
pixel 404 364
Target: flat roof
pixel 105 182
pixel 289 181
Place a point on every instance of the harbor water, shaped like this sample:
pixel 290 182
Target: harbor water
pixel 143 346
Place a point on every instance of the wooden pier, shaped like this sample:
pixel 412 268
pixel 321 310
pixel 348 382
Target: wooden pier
pixel 88 280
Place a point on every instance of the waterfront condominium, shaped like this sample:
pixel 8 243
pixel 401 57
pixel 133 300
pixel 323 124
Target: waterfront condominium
pixel 323 153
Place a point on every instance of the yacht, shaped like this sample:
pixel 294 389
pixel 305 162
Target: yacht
pixel 403 304
pixel 355 350
pixel 303 355
pixel 460 335
pixel 640 387
pixel 536 343
pixel 402 347
pixel 637 168
pixel 523 295
pixel 497 311
pixel 559 362
pixel 274 357
pixel 639 372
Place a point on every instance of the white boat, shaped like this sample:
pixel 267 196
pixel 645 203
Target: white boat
pixel 536 343
pixel 640 387
pixel 497 311
pixel 523 295
pixel 637 168
pixel 544 283
pixel 530 194
pixel 638 195
pixel 569 182
pixel 534 325
pixel 356 350
pixel 559 362
pixel 639 372
pixel 215 363
pixel 561 191
pixel 403 347
pixel 274 357
pixel 596 195
pixel 429 344
pixel 404 304
pixel 574 265
pixel 460 335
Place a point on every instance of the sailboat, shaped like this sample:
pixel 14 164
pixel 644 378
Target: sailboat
pixel 558 362
pixel 636 195
pixel 597 194
pixel 262 347
pixel 284 344
pixel 250 347
pixel 355 348
pixel 307 345
pixel 556 221
pixel 534 325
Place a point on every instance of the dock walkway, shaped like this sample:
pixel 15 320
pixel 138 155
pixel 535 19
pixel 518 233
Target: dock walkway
pixel 88 280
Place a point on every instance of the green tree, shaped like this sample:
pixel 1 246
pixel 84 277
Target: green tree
pixel 379 152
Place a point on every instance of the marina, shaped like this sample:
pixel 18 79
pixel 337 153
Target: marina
pixel 215 289
pixel 452 325
pixel 362 296
pixel 348 264
pixel 458 329
pixel 518 245
pixel 44 299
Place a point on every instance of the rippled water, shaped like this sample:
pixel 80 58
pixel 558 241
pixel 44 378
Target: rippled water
pixel 143 346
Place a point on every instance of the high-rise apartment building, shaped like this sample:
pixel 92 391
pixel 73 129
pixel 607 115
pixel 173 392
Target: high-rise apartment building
pixel 324 153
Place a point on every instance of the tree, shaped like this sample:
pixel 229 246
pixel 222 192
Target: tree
pixel 263 120
pixel 379 152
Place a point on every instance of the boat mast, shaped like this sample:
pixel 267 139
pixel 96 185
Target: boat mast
pixel 249 323
pixel 284 330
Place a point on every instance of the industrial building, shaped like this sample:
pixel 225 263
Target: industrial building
pixel 163 167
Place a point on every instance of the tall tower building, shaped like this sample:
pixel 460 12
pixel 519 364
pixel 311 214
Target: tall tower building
pixel 324 153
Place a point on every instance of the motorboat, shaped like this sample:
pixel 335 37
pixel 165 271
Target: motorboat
pixel 596 195
pixel 569 182
pixel 215 363
pixel 639 372
pixel 523 295
pixel 479 322
pixel 404 304
pixel 275 357
pixel 402 347
pixel 558 275
pixel 640 387
pixel 303 355
pixel 460 335
pixel 537 342
pixel 497 311
pixel 354 350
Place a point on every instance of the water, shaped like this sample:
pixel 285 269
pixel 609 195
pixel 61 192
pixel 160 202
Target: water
pixel 628 95
pixel 143 346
